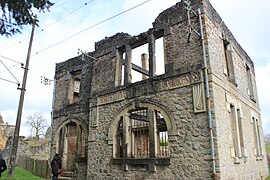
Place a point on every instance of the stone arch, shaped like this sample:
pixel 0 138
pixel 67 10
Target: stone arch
pixel 68 120
pixel 67 137
pixel 169 120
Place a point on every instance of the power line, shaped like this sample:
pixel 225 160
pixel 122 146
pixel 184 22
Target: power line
pixel 58 4
pixel 8 68
pixel 53 23
pixel 9 71
pixel 10 81
pixel 85 4
pixel 105 20
pixel 11 60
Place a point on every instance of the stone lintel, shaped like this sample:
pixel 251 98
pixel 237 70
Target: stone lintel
pixel 142 161
pixel 150 87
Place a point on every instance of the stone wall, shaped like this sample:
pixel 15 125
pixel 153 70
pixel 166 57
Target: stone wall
pixel 178 95
pixel 25 150
pixel 6 131
pixel 227 92
pixel 190 149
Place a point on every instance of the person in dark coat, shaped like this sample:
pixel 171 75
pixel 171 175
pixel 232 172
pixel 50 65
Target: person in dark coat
pixel 3 165
pixel 56 164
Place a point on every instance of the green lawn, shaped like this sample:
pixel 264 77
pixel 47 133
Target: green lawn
pixel 267 148
pixel 268 178
pixel 20 174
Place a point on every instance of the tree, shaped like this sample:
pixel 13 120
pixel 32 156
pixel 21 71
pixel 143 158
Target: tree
pixel 37 124
pixel 267 139
pixel 48 132
pixel 15 13
pixel 1 119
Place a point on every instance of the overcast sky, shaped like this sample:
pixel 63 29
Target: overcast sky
pixel 68 26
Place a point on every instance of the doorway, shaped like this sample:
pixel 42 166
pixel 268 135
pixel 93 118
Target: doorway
pixel 71 145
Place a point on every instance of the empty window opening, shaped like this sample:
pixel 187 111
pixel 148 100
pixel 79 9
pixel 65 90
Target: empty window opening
pixel 160 56
pixel 225 47
pixel 228 69
pixel 257 139
pixel 134 135
pixel 241 135
pixel 73 90
pixel 140 60
pixel 120 139
pixel 142 65
pixel 139 139
pixel 76 90
pixel 237 133
pixel 249 82
pixel 233 131
pixel 123 69
pixel 163 150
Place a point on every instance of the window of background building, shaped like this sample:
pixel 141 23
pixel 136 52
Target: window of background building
pixel 257 137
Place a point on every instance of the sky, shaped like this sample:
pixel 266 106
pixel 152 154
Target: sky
pixel 74 24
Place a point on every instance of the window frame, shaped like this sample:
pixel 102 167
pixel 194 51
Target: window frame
pixel 152 161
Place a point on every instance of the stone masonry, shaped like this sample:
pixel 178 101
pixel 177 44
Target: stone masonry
pixel 6 131
pixel 200 119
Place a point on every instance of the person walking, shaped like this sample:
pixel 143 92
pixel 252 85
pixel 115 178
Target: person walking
pixel 56 165
pixel 3 165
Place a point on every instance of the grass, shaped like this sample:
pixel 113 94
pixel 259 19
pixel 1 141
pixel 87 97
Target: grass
pixel 40 142
pixel 267 148
pixel 20 174
pixel 268 178
pixel 34 143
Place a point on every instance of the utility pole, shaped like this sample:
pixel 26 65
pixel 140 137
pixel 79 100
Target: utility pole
pixel 14 148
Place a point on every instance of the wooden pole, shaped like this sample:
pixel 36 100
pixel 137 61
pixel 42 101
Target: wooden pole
pixel 14 148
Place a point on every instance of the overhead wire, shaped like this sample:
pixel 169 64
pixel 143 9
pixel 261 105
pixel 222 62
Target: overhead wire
pixel 11 60
pixel 10 81
pixel 86 3
pixel 66 15
pixel 58 4
pixel 105 20
pixel 8 68
pixel 12 37
pixel 10 72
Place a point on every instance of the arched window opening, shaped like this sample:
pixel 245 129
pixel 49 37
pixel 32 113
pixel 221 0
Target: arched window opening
pixel 163 150
pixel 119 137
pixel 142 133
pixel 139 138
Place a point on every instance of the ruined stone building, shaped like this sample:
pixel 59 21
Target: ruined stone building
pixel 6 131
pixel 198 119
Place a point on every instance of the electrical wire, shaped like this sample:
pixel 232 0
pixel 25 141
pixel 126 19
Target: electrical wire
pixel 10 72
pixel 105 20
pixel 58 4
pixel 11 60
pixel 85 4
pixel 10 81
pixel 8 68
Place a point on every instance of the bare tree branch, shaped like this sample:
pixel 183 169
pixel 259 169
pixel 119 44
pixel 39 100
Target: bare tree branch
pixel 37 124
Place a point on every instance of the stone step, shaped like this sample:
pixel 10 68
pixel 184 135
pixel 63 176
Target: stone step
pixel 60 177
pixel 68 174
pixel 66 178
